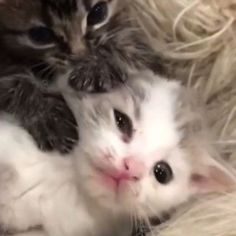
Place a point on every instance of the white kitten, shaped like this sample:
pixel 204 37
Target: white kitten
pixel 142 151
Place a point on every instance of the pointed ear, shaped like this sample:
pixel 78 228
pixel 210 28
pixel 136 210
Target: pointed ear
pixel 212 177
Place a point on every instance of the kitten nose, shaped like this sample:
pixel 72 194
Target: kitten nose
pixel 134 168
pixel 78 47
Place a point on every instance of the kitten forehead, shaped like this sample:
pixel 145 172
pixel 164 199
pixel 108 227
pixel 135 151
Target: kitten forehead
pixel 62 8
pixel 128 100
pixel 140 99
pixel 72 4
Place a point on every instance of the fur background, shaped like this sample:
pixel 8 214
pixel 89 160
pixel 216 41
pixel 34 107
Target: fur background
pixel 199 39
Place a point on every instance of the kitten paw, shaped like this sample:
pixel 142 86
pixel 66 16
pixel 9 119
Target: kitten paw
pixel 95 75
pixel 54 128
pixel 45 116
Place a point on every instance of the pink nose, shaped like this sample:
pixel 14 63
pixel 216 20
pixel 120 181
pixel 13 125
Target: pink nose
pixel 134 167
pixel 131 170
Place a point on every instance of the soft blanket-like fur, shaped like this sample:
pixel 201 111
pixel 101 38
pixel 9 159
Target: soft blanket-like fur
pixel 199 39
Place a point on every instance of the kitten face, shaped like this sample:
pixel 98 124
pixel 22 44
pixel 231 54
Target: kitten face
pixel 129 156
pixel 59 26
pixel 53 32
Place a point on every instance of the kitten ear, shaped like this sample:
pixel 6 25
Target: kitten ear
pixel 212 177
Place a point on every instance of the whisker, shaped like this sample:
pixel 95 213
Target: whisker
pixel 113 34
pixel 143 227
pixel 148 225
pixel 132 221
pixel 135 220
pixel 41 63
pixel 46 69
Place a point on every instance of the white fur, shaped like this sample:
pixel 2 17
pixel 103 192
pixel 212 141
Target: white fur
pixel 63 193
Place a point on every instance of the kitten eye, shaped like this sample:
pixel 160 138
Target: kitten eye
pixel 42 35
pixel 97 14
pixel 124 124
pixel 163 173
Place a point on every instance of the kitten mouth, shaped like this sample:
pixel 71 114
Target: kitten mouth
pixel 115 181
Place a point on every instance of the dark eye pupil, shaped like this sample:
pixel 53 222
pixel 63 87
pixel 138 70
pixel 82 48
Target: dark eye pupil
pixel 163 172
pixel 124 124
pixel 98 14
pixel 41 35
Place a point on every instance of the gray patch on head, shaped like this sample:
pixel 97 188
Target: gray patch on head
pixel 138 95
pixel 99 113
pixel 93 109
pixel 137 106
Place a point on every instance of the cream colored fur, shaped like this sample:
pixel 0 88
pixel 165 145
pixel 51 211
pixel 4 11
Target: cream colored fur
pixel 213 216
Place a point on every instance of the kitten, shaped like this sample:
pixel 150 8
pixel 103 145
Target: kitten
pixel 94 43
pixel 142 152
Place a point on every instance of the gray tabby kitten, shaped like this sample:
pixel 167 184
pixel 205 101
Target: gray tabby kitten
pixel 91 43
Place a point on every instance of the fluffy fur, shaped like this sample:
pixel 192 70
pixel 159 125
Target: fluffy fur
pixel 200 218
pixel 199 39
pixel 47 39
pixel 76 195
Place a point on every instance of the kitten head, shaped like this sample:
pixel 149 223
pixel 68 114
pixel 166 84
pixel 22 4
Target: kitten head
pixel 135 155
pixel 53 34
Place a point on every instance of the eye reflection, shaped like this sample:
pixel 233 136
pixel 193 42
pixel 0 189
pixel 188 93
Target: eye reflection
pixel 163 172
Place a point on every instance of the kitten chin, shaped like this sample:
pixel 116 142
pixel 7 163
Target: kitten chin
pixel 93 44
